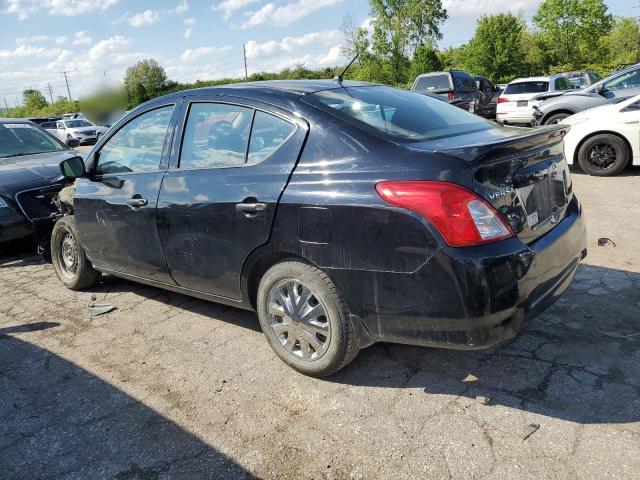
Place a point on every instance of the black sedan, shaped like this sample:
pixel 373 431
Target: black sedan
pixel 29 165
pixel 343 213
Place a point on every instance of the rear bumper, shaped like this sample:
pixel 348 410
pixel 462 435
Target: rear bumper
pixel 470 298
pixel 518 118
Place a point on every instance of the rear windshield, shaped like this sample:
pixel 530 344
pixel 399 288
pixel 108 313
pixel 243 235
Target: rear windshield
pixel 433 82
pixel 25 139
pixel 395 114
pixel 526 87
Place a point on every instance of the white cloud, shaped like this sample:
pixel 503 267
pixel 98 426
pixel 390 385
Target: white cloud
pixel 229 7
pixel 286 14
pixel 465 8
pixel 27 50
pixel 70 8
pixel 34 39
pixel 189 55
pixel 60 39
pixel 189 21
pixel 110 45
pixel 148 17
pixel 182 7
pixel 187 33
pixel 327 38
pixel 81 38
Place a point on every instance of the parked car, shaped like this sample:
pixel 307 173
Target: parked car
pixel 619 85
pixel 29 166
pixel 489 94
pixel 84 131
pixel 581 79
pixel 455 85
pixel 605 139
pixel 516 102
pixel 344 213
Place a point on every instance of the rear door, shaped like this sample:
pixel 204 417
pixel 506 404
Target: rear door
pixel 218 200
pixel 115 206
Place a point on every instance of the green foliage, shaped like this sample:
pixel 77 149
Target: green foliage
pixel 572 31
pixel 425 59
pixel 33 99
pixel 144 80
pixel 623 43
pixel 497 50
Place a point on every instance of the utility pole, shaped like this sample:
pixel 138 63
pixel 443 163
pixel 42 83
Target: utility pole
pixel 50 93
pixel 6 106
pixel 67 82
pixel 244 54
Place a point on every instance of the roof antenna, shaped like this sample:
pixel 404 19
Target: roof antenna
pixel 340 78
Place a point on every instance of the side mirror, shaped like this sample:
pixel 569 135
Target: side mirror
pixel 72 142
pixel 73 168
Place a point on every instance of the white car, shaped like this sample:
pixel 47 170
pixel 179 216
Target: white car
pixel 605 139
pixel 516 102
pixel 80 129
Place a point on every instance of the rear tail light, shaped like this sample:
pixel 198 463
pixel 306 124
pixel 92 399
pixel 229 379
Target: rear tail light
pixel 451 96
pixel 502 99
pixel 462 217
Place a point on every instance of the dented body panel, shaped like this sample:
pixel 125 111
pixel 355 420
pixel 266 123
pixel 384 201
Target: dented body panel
pixel 399 279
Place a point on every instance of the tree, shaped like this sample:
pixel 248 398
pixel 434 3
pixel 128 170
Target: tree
pixel 33 99
pixel 497 49
pixel 623 42
pixel 425 59
pixel 145 79
pixel 399 27
pixel 572 30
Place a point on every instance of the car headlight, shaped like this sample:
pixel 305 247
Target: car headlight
pixel 3 203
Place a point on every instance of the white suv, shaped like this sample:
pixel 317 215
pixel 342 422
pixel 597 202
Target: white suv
pixel 515 104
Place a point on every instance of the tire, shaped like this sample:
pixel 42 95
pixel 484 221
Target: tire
pixel 314 311
pixel 73 268
pixel 557 118
pixel 603 155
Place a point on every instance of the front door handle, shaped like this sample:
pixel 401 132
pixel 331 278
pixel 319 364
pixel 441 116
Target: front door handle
pixel 255 207
pixel 137 202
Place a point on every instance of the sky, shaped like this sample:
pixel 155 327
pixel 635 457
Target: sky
pixel 94 41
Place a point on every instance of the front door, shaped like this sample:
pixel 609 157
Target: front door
pixel 217 205
pixel 115 206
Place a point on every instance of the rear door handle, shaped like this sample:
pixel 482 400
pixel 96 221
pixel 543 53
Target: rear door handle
pixel 137 202
pixel 251 207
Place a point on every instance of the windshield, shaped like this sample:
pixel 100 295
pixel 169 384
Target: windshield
pixel 24 139
pixel 526 87
pixel 396 114
pixel 77 123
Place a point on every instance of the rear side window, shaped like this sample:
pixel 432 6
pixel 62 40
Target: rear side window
pixel 137 146
pixel 563 83
pixel 433 82
pixel 267 135
pixel 526 87
pixel 395 114
pixel 464 82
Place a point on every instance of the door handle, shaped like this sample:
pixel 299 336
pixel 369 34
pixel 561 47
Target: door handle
pixel 251 207
pixel 137 202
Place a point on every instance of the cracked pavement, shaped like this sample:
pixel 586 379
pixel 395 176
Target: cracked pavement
pixel 168 386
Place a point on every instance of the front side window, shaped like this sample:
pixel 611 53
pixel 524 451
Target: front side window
pixel 396 114
pixel 627 80
pixel 137 146
pixel 216 135
pixel 18 139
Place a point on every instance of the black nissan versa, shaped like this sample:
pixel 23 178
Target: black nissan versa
pixel 343 213
pixel 29 159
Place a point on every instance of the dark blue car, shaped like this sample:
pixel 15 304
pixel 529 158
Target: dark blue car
pixel 343 213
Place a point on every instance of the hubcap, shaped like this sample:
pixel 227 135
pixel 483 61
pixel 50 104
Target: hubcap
pixel 602 156
pixel 69 255
pixel 298 320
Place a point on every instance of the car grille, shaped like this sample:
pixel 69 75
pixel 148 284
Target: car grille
pixel 89 133
pixel 37 204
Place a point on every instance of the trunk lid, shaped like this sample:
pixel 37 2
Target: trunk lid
pixel 521 172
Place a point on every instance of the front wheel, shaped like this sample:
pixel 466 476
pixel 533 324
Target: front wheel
pixel 557 118
pixel 305 319
pixel 603 155
pixel 70 263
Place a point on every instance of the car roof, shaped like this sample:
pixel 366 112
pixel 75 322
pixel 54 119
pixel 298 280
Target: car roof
pixel 531 79
pixel 14 120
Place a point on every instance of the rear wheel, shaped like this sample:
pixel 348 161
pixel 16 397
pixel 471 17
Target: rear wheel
pixel 305 319
pixel 603 155
pixel 557 118
pixel 70 263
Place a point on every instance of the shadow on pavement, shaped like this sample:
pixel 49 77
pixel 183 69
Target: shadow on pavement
pixel 59 420
pixel 580 361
